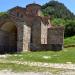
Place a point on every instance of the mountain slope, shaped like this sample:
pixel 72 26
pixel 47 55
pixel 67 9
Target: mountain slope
pixel 57 10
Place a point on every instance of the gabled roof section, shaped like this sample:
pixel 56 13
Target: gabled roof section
pixel 17 7
pixel 33 4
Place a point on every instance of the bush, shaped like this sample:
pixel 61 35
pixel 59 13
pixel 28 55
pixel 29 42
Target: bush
pixel 70 29
pixel 3 15
pixel 58 21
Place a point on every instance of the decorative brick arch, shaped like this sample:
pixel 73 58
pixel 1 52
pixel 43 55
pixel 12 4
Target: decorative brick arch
pixel 23 34
pixel 8 38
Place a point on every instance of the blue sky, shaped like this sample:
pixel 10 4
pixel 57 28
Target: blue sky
pixel 7 4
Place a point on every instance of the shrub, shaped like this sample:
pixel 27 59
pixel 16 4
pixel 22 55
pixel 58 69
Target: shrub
pixel 58 21
pixel 70 28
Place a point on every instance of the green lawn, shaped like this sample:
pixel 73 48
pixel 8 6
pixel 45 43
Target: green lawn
pixel 63 56
pixel 66 55
pixel 26 68
pixel 69 41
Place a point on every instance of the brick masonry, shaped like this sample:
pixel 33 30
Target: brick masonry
pixel 55 38
pixel 32 30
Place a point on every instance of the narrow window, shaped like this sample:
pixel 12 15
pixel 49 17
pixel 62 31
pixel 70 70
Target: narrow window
pixel 21 15
pixel 17 14
pixel 31 38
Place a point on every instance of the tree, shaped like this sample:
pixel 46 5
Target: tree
pixel 58 10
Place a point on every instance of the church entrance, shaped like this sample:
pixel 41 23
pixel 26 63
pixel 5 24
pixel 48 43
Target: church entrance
pixel 8 38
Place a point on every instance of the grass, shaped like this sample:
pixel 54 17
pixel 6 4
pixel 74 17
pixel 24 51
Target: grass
pixel 66 55
pixel 63 56
pixel 26 68
pixel 69 41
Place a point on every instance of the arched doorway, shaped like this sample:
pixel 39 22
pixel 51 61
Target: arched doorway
pixel 8 38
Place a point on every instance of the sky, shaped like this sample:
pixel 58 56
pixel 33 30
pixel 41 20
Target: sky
pixel 8 4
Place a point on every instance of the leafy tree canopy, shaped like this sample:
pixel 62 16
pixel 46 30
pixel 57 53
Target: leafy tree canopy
pixel 57 10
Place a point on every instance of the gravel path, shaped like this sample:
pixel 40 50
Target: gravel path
pixel 66 72
pixel 69 68
pixel 6 72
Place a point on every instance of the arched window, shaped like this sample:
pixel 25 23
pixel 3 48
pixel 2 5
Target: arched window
pixel 17 14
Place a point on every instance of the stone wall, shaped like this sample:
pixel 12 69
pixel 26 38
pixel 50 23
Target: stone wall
pixel 36 34
pixel 23 36
pixel 55 38
pixel 43 33
pixel 32 9
pixel 26 37
pixel 19 41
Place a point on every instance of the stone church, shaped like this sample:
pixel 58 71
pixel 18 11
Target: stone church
pixel 27 29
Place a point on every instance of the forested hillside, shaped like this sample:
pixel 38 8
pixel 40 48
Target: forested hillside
pixel 57 10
